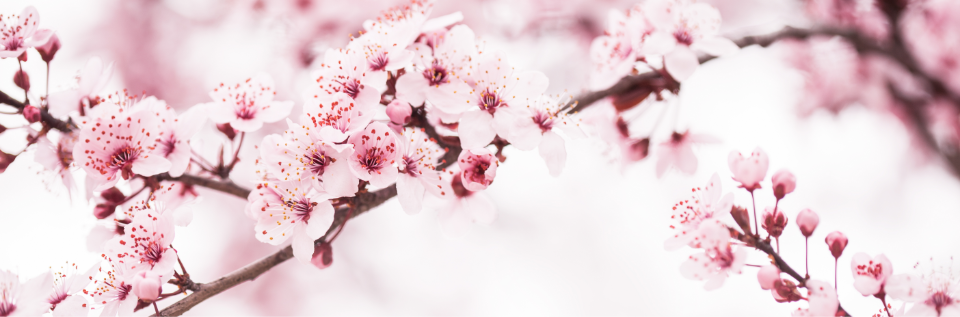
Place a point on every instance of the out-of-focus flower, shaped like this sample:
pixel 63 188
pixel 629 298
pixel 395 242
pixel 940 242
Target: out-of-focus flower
pixel 933 30
pixel 58 158
pixel 533 127
pixel 24 299
pixel 247 105
pixel 375 155
pixel 147 285
pixel 836 241
pixel 119 142
pixel 115 290
pixel 932 294
pixel 783 183
pixel 302 155
pixel 861 14
pixel 678 152
pixel 767 275
pixel 174 133
pixel 822 299
pixel 303 214
pixel 31 113
pixel 774 221
pixel 477 168
pixel 718 260
pixel 704 206
pixel 807 220
pixel 468 207
pixel 93 79
pixel 869 274
pixel 832 72
pixel 19 32
pixel 751 170
pixel 689 27
pixel 147 240
pixel 439 61
pixel 418 170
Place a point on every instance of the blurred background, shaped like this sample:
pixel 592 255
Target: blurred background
pixel 589 242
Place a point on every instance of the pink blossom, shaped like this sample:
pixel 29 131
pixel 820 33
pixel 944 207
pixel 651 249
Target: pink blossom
pixel 115 290
pixel 399 112
pixel 869 274
pixel 147 285
pixel 822 298
pixel 262 197
pixel 247 105
pixel 534 127
pixel 31 113
pixel 58 158
pixel 178 200
pixel 418 170
pixel 691 27
pixel 49 50
pixel 678 152
pixel 146 240
pixel 344 78
pixel 478 168
pixel 338 116
pixel 72 306
pixel 718 260
pixel 860 14
pixel 120 141
pixel 783 183
pixel 615 53
pixel 23 299
pixel 92 80
pixel 175 132
pixel 18 33
pixel 751 170
pixel 467 207
pixel 301 154
pixel 933 27
pixel 807 220
pixel 767 275
pixel 498 95
pixel 303 213
pixel 375 155
pixel 385 41
pixel 836 241
pixel 935 294
pixel 831 69
pixel 705 205
pixel 439 61
pixel 69 281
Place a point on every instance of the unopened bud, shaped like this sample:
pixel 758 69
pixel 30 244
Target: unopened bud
pixel 742 217
pixel 322 255
pixel 767 276
pixel 807 220
pixel 227 130
pixel 836 241
pixel 399 112
pixel 773 222
pixel 31 113
pixel 113 195
pixel 639 149
pixel 22 80
pixel 783 183
pixel 47 51
pixel 102 211
pixel 147 286
pixel 785 291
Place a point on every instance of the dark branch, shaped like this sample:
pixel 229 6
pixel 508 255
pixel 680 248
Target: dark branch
pixel 45 117
pixel 226 186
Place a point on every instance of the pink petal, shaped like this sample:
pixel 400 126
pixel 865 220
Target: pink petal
pixel 517 126
pixel 906 287
pixel 246 125
pixel 302 245
pixel 151 165
pixel 681 63
pixel 276 111
pixel 659 43
pixel 179 159
pixel 412 87
pixel 554 152
pixel 441 22
pixel 410 193
pixel 321 218
pixel 480 208
pixel 476 129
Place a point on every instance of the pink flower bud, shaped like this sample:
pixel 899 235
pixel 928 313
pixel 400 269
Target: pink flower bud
pixel 783 183
pixel 22 80
pixel 31 113
pixel 322 255
pixel 774 222
pixel 742 217
pixel 785 291
pixel 807 220
pixel 47 51
pixel 768 275
pixel 751 170
pixel 102 211
pixel 147 286
pixel 113 195
pixel 399 112
pixel 836 241
pixel 227 130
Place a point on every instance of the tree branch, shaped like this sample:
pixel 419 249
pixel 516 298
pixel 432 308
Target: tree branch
pixel 45 117
pixel 226 186
pixel 362 203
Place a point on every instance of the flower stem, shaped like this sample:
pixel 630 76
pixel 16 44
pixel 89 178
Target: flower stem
pixel 156 309
pixel 806 254
pixel 836 261
pixel 26 100
pixel 47 97
pixel 756 227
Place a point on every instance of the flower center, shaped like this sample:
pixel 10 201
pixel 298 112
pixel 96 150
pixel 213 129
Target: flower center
pixel 153 252
pixel 122 158
pixel 166 145
pixel 871 269
pixel 379 61
pixel 372 160
pixel 351 87
pixel 301 209
pixel 939 300
pixel 123 291
pixel 543 119
pixel 723 257
pixel 683 37
pixel 6 308
pixel 318 162
pixel 490 101
pixel 410 165
pixel 436 74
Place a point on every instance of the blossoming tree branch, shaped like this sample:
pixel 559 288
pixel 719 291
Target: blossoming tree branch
pixel 418 106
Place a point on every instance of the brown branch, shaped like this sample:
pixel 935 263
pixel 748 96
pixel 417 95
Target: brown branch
pixel 45 117
pixel 362 203
pixel 226 186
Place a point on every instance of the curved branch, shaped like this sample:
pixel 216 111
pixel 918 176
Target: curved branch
pixel 226 186
pixel 45 117
pixel 362 203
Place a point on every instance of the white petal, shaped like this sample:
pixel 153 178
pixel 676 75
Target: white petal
pixel 476 129
pixel 681 63
pixel 410 193
pixel 554 152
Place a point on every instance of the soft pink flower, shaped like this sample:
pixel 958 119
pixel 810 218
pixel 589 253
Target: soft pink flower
pixel 439 61
pixel 31 113
pixel 385 41
pixel 247 105
pixel 146 240
pixel 92 80
pixel 178 200
pixel 303 214
pixel 24 299
pixel 767 275
pixel 120 141
pixel 774 221
pixel 467 207
pixel 419 156
pixel 831 69
pixel 783 183
pixel 115 290
pixel 497 97
pixel 718 260
pixel 478 168
pixel 399 112
pixel 69 281
pixel 337 116
pixel 19 32
pixel 302 155
pixel 345 72
pixel 690 27
pixel 822 299
pixel 175 132
pixel 705 205
pixel 933 28
pixel 751 170
pixel 678 152
pixel 147 285
pixel 864 15
pixel 869 274
pixel 535 125
pixel 58 158
pixel 807 220
pixel 375 155
pixel 936 294
pixel 615 53
pixel 262 197
pixel 836 241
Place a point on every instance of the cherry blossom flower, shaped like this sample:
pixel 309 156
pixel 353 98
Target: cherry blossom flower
pixel 534 127
pixel 418 170
pixel 302 155
pixel 58 158
pixel 615 53
pixel 92 80
pixel 678 152
pixel 751 170
pixel 477 168
pixel 375 155
pixel 932 27
pixel 175 132
pixel 262 197
pixel 498 94
pixel 807 220
pixel 822 299
pixel 23 299
pixel 836 242
pixel 303 213
pixel 178 200
pixel 439 62
pixel 343 76
pixel 935 294
pixel 705 205
pixel 774 221
pixel 467 207
pixel 692 27
pixel 718 260
pixel 869 274
pixel 783 183
pixel 385 41
pixel 146 240
pixel 19 32
pixel 120 142
pixel 147 285
pixel 115 290
pixel 69 281
pixel 831 70
pixel 338 116
pixel 49 50
pixel 247 105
